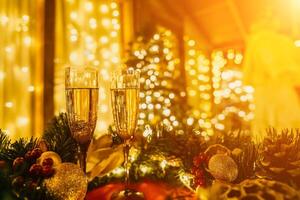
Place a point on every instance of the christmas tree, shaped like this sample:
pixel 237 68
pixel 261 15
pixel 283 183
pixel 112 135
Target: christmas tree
pixel 162 94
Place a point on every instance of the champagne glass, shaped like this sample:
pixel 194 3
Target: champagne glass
pixel 81 86
pixel 125 88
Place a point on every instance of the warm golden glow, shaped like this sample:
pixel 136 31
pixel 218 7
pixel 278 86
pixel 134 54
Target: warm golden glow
pixel 199 89
pixel 17 66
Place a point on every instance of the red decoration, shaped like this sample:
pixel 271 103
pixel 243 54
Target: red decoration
pixel 18 162
pixel 47 162
pixel 35 170
pixel 151 190
pixel 36 153
pixel 48 171
pixel 198 170
pixel 28 156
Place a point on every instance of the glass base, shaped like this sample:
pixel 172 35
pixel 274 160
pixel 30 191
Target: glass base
pixel 128 194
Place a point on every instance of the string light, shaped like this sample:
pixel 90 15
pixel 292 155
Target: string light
pixel 297 43
pixel 9 104
pixel 31 88
pixel 2 75
pixel 17 23
pixel 197 68
pixel 228 87
pixel 22 121
pixel 156 102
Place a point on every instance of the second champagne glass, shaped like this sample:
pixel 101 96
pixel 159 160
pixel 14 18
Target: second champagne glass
pixel 82 100
pixel 125 89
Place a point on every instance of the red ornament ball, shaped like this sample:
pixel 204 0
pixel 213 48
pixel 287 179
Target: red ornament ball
pixel 36 170
pixel 32 185
pixel 48 171
pixel 18 162
pixel 36 153
pixel 2 164
pixel 48 162
pixel 18 181
pixel 28 156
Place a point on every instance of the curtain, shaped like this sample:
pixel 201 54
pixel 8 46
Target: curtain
pixel 18 62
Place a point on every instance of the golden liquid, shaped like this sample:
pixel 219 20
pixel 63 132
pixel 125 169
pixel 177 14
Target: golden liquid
pixel 82 112
pixel 125 104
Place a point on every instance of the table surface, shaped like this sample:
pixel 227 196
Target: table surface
pixel 151 190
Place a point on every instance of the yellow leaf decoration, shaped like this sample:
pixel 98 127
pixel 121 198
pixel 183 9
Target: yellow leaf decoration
pixel 102 158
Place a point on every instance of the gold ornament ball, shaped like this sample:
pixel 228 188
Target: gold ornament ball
pixel 222 167
pixel 68 183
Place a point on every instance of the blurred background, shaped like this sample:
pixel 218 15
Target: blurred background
pixel 191 53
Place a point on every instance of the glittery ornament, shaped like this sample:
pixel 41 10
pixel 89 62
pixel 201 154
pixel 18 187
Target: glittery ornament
pixel 68 183
pixel 223 167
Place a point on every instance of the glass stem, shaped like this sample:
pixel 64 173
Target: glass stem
pixel 126 166
pixel 82 156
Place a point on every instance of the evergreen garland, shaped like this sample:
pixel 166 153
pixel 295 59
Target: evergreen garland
pixel 170 147
pixel 59 140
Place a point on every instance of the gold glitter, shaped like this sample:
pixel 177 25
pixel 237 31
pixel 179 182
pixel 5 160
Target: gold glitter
pixel 223 167
pixel 68 183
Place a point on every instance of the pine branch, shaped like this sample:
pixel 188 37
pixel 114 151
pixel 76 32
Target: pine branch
pixel 59 139
pixel 246 162
pixel 4 141
pixel 233 139
pixel 4 144
pixel 18 149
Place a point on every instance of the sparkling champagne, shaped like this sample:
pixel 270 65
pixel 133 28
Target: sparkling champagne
pixel 125 104
pixel 82 112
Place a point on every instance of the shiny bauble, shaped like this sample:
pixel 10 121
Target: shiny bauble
pixel 222 167
pixel 68 183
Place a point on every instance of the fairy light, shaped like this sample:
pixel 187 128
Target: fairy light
pixel 224 85
pixel 145 169
pixel 31 88
pixel 186 179
pixel 88 6
pixel 4 20
pixel 156 104
pixel 197 67
pixel 27 40
pixel 22 121
pixel 9 104
pixel 163 164
pixel 118 172
pixel 2 75
pixel 20 22
pixel 228 87
pixel 297 43
pixel 104 8
pixel 93 23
